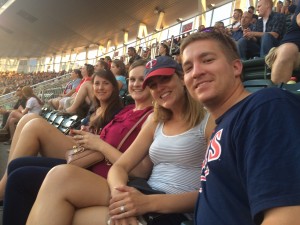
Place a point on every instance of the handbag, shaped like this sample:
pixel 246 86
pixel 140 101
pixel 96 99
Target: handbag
pixel 79 156
pixel 85 158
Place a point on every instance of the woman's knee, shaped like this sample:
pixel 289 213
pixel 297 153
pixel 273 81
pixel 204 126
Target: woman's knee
pixel 287 52
pixel 28 117
pixel 60 175
pixel 13 121
pixel 36 124
pixel 13 113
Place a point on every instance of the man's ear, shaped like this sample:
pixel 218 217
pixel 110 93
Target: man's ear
pixel 237 67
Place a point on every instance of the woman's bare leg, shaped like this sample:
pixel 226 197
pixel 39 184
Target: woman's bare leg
pixel 54 103
pixel 35 135
pixel 12 126
pixel 82 189
pixel 85 92
pixel 12 122
pixel 96 215
pixel 13 114
pixel 282 69
pixel 38 136
pixel 20 126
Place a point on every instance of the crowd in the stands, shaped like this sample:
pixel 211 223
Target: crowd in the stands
pixel 10 80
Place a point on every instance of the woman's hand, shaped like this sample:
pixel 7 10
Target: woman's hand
pixel 127 202
pixel 87 140
pixel 126 221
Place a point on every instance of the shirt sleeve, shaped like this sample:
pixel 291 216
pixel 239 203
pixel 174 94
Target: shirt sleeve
pixel 278 24
pixel 269 142
pixel 29 103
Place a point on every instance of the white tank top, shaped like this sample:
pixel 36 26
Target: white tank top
pixel 177 159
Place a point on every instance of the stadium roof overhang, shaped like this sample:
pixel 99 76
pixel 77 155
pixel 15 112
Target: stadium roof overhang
pixel 37 28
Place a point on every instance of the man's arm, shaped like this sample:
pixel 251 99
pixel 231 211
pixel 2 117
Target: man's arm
pixel 256 34
pixel 289 215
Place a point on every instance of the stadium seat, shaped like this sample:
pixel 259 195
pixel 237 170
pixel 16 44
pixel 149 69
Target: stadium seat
pixel 254 69
pixel 52 117
pixel 68 123
pixel 255 85
pixel 58 120
pixel 46 115
pixel 44 111
pixel 294 88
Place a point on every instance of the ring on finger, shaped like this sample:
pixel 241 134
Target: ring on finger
pixel 122 209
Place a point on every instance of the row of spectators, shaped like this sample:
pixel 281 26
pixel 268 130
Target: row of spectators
pixel 258 36
pixel 254 37
pixel 9 80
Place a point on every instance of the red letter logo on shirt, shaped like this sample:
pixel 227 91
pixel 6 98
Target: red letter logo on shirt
pixel 214 151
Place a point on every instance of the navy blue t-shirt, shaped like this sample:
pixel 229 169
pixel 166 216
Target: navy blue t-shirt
pixel 293 33
pixel 253 160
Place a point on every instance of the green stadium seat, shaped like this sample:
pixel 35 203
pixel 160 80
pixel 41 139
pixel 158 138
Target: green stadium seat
pixel 254 69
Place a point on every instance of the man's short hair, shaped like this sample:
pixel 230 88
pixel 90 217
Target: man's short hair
pixel 226 43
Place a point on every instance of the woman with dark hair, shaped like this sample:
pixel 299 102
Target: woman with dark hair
pixel 163 50
pixel 30 171
pixel 119 70
pixel 59 102
pixel 34 135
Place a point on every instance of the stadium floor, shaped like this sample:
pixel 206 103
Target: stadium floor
pixel 3 160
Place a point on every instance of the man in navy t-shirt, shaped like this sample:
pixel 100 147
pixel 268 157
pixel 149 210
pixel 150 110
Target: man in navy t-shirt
pixel 251 172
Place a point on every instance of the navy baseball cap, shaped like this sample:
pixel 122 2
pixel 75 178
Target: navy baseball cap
pixel 161 66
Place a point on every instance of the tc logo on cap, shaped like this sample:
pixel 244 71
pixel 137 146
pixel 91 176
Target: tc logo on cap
pixel 151 64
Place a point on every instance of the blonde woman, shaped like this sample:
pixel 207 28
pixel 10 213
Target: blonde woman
pixel 33 105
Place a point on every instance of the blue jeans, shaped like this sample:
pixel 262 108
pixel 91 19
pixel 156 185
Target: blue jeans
pixel 249 48
pixel 267 42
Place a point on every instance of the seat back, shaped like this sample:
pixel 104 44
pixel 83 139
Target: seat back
pixel 69 123
pixel 58 120
pixel 294 88
pixel 254 69
pixel 52 117
pixel 255 85
pixel 46 115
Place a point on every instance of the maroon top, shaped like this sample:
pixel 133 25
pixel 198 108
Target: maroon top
pixel 114 132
